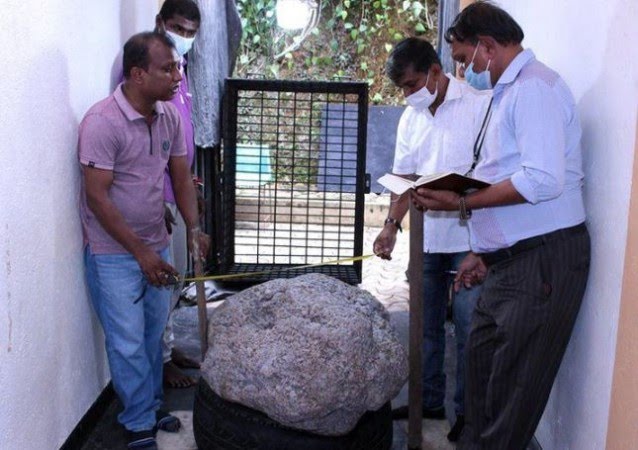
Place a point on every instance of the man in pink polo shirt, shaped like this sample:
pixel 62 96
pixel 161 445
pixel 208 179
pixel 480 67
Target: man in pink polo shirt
pixel 126 141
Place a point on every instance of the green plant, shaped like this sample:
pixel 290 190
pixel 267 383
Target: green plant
pixel 352 41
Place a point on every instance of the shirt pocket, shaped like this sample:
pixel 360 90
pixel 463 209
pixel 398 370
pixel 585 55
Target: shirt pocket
pixel 458 149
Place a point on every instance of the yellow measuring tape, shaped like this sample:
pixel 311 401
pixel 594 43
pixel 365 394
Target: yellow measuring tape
pixel 248 274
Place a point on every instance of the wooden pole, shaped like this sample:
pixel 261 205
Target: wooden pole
pixel 415 382
pixel 202 317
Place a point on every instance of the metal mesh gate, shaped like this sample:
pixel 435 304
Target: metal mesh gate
pixel 293 179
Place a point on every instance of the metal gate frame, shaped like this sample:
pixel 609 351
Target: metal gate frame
pixel 224 189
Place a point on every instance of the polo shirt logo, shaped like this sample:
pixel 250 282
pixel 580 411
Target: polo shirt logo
pixel 166 145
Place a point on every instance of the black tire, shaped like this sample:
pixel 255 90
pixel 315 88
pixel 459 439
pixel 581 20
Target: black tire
pixel 222 425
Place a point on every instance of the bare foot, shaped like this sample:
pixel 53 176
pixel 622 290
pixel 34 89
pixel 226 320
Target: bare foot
pixel 181 360
pixel 175 378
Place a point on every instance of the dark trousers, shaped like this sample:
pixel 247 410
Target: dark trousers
pixel 520 329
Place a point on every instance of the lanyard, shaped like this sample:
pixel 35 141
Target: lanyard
pixel 478 144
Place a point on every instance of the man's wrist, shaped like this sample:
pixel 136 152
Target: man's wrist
pixel 395 223
pixel 465 213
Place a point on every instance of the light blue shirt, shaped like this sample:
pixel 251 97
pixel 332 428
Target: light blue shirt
pixel 533 138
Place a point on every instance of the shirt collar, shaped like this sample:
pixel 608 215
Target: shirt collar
pixel 127 109
pixel 453 89
pixel 515 66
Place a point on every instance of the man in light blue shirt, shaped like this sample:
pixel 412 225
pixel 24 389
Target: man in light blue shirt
pixel 530 245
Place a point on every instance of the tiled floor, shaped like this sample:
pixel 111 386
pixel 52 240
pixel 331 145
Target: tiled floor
pixel 385 279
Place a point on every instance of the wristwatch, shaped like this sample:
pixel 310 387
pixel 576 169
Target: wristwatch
pixel 394 222
pixel 464 212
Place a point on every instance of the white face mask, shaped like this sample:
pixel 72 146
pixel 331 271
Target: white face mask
pixel 422 98
pixel 182 44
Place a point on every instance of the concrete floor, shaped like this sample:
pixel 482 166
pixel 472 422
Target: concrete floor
pixel 385 279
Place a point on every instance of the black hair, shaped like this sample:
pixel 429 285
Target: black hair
pixel 186 8
pixel 136 52
pixel 411 52
pixel 484 18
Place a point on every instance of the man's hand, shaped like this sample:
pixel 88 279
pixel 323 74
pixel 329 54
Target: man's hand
pixel 425 199
pixel 201 203
pixel 169 219
pixel 157 271
pixel 198 243
pixel 384 243
pixel 470 272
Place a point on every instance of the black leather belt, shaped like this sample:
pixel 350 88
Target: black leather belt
pixel 497 256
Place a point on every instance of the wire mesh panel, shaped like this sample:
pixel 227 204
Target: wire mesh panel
pixel 293 179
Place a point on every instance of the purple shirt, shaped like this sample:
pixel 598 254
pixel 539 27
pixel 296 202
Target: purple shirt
pixel 113 136
pixel 183 103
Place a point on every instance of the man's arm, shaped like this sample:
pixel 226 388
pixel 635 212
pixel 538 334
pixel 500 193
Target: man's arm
pixel 97 183
pixel 186 198
pixel 499 194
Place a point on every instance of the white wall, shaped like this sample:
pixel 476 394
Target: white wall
pixel 57 57
pixel 591 43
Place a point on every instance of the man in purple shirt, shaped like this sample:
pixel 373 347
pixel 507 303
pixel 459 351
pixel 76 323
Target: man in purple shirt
pixel 126 141
pixel 180 20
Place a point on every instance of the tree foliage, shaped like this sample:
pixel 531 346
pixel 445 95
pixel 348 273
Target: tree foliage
pixel 352 41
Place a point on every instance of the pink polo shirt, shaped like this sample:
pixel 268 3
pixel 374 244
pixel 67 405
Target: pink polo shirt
pixel 113 136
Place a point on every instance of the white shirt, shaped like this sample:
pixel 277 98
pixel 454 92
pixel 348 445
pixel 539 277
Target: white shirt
pixel 533 138
pixel 444 142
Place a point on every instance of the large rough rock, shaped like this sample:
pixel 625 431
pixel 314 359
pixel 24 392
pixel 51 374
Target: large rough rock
pixel 311 352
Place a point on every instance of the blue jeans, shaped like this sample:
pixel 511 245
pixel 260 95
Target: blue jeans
pixel 436 287
pixel 133 332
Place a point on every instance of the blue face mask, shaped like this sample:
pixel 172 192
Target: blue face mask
pixel 481 81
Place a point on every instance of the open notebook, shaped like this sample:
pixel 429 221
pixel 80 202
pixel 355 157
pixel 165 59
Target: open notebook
pixel 448 181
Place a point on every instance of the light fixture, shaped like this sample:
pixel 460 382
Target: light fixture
pixel 294 14
pixel 297 15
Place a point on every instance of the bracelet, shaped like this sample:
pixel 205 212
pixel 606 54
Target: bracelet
pixel 394 222
pixel 464 212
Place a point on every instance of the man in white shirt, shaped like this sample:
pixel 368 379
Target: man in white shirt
pixel 436 133
pixel 528 234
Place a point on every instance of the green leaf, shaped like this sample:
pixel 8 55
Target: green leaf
pixel 347 3
pixel 397 36
pixel 388 47
pixel 348 25
pixel 353 34
pixel 406 5
pixel 363 27
pixel 361 48
pixel 377 98
pixel 243 59
pixel 344 14
pixel 256 39
pixel 376 4
pixel 364 66
pixel 419 28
